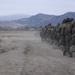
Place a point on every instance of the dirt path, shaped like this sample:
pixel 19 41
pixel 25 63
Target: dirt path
pixel 27 55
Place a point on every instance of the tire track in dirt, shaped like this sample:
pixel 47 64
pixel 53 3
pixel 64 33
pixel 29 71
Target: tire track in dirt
pixel 43 59
pixel 33 57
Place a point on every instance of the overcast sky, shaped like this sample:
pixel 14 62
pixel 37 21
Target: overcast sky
pixel 55 7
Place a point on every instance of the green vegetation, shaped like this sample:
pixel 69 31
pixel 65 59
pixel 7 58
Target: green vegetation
pixel 61 35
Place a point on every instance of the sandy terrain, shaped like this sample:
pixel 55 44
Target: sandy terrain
pixel 23 53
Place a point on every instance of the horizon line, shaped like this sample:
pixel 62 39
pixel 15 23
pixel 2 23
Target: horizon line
pixel 36 14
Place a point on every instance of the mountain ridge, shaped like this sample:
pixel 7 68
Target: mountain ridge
pixel 44 19
pixel 40 20
pixel 13 17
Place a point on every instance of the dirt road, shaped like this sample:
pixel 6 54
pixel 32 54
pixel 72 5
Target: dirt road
pixel 25 54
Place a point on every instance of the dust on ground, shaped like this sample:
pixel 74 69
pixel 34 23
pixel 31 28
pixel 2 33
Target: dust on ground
pixel 23 53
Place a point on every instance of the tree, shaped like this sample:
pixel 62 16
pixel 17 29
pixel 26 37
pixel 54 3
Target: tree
pixel 68 20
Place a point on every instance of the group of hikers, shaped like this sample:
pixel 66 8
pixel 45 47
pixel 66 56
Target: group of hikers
pixel 61 35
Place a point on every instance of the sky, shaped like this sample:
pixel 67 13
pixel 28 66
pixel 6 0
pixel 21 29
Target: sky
pixel 32 7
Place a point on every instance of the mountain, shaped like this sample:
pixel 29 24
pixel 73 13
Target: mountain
pixel 38 20
pixel 13 17
pixel 59 19
pixel 44 19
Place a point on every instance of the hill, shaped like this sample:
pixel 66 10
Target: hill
pixel 13 17
pixel 38 20
pixel 44 19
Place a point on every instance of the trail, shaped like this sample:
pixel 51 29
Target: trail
pixel 28 55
